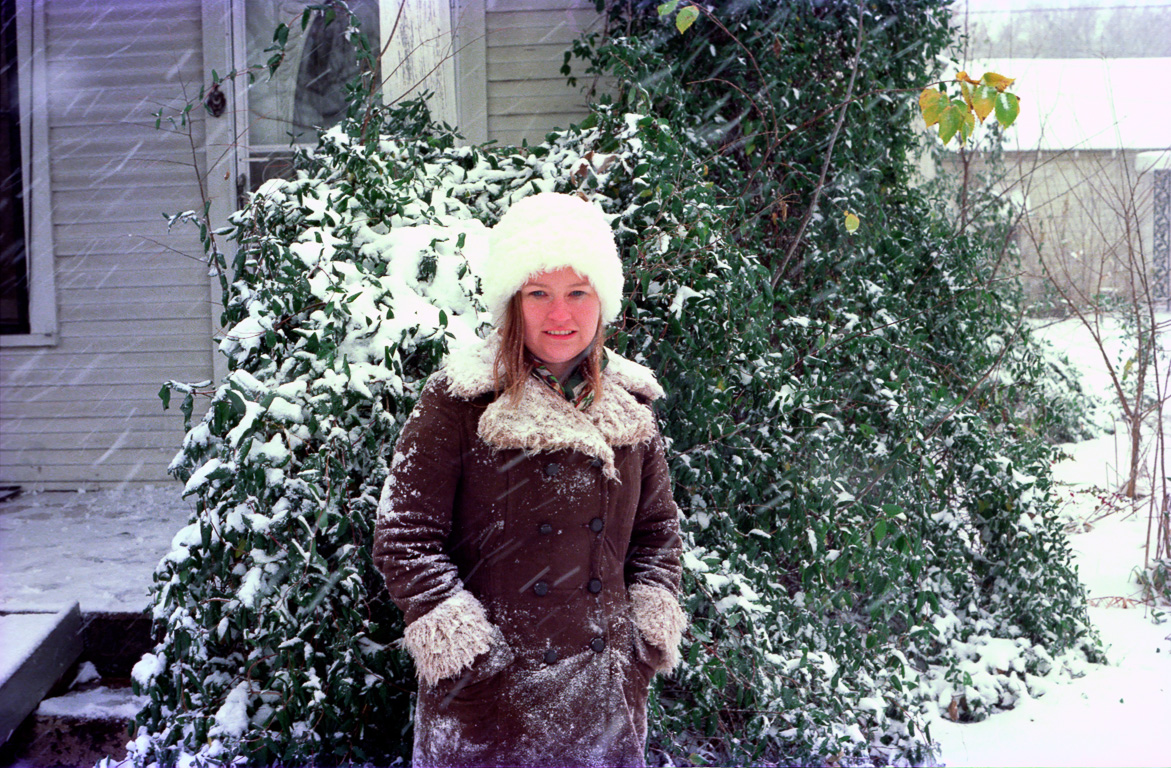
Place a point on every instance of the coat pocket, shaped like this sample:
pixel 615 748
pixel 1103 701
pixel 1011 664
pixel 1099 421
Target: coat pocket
pixel 480 679
pixel 647 654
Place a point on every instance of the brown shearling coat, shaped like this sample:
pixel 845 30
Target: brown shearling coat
pixel 534 550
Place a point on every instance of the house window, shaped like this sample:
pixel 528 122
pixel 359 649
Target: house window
pixel 307 90
pixel 418 52
pixel 14 318
pixel 28 297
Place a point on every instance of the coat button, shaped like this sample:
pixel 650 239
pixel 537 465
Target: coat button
pixel 598 644
pixel 595 586
pixel 596 524
pixel 545 528
pixel 550 656
pixel 552 469
pixel 541 588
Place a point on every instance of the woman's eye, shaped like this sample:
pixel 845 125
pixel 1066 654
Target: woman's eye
pixel 537 294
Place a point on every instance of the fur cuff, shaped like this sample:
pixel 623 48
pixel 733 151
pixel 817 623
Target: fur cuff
pixel 449 637
pixel 661 621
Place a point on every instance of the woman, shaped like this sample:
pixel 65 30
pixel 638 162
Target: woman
pixel 527 529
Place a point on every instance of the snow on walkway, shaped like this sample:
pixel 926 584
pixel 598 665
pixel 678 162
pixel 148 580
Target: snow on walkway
pixel 98 548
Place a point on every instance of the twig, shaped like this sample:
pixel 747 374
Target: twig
pixel 829 153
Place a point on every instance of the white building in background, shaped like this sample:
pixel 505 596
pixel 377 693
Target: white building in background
pixel 1089 158
pixel 99 302
pixel 1089 154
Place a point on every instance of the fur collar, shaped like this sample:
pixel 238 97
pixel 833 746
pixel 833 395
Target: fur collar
pixel 545 421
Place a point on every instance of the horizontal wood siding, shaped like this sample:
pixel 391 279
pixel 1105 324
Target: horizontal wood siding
pixel 133 297
pixel 526 44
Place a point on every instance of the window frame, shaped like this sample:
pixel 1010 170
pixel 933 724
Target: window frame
pixel 34 161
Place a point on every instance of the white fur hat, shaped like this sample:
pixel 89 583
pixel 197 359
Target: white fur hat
pixel 545 232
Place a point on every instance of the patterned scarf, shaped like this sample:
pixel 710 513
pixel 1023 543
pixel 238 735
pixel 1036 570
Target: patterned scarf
pixel 575 388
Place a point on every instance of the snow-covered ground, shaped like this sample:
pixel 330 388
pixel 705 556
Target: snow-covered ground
pixel 101 548
pixel 97 549
pixel 1116 714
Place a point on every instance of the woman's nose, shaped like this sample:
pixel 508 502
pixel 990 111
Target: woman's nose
pixel 559 310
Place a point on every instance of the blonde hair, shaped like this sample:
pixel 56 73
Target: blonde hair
pixel 514 365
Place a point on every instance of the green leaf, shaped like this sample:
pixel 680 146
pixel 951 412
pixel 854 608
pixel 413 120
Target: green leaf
pixel 686 18
pixel 950 120
pixel 1008 106
pixel 165 396
pixel 967 126
pixel 667 9
pixel 186 408
pixel 236 403
pixel 879 531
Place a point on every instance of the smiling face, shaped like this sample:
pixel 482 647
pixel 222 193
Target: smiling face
pixel 561 311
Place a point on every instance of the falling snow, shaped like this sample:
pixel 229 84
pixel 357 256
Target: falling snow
pixel 100 549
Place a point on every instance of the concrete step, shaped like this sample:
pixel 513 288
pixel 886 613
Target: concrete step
pixel 85 712
pixel 37 649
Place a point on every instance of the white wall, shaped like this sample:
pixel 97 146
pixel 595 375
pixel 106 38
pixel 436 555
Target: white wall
pixel 132 299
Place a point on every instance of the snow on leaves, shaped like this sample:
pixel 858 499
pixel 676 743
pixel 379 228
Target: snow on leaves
pixel 348 285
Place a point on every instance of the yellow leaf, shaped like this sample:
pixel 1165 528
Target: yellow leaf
pixel 686 18
pixel 999 82
pixel 963 77
pixel 932 102
pixel 966 90
pixel 852 222
pixel 983 100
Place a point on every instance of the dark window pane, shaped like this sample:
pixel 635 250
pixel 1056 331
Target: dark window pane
pixel 13 272
pixel 308 90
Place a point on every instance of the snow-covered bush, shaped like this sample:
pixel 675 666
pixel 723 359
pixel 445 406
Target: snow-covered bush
pixel 349 285
pixel 868 500
pixel 856 445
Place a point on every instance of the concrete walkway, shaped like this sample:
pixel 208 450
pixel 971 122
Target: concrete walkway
pixel 99 548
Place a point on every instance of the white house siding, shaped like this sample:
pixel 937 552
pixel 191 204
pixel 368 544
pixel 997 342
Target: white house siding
pixel 1089 213
pixel 133 300
pixel 526 45
pixel 1072 157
